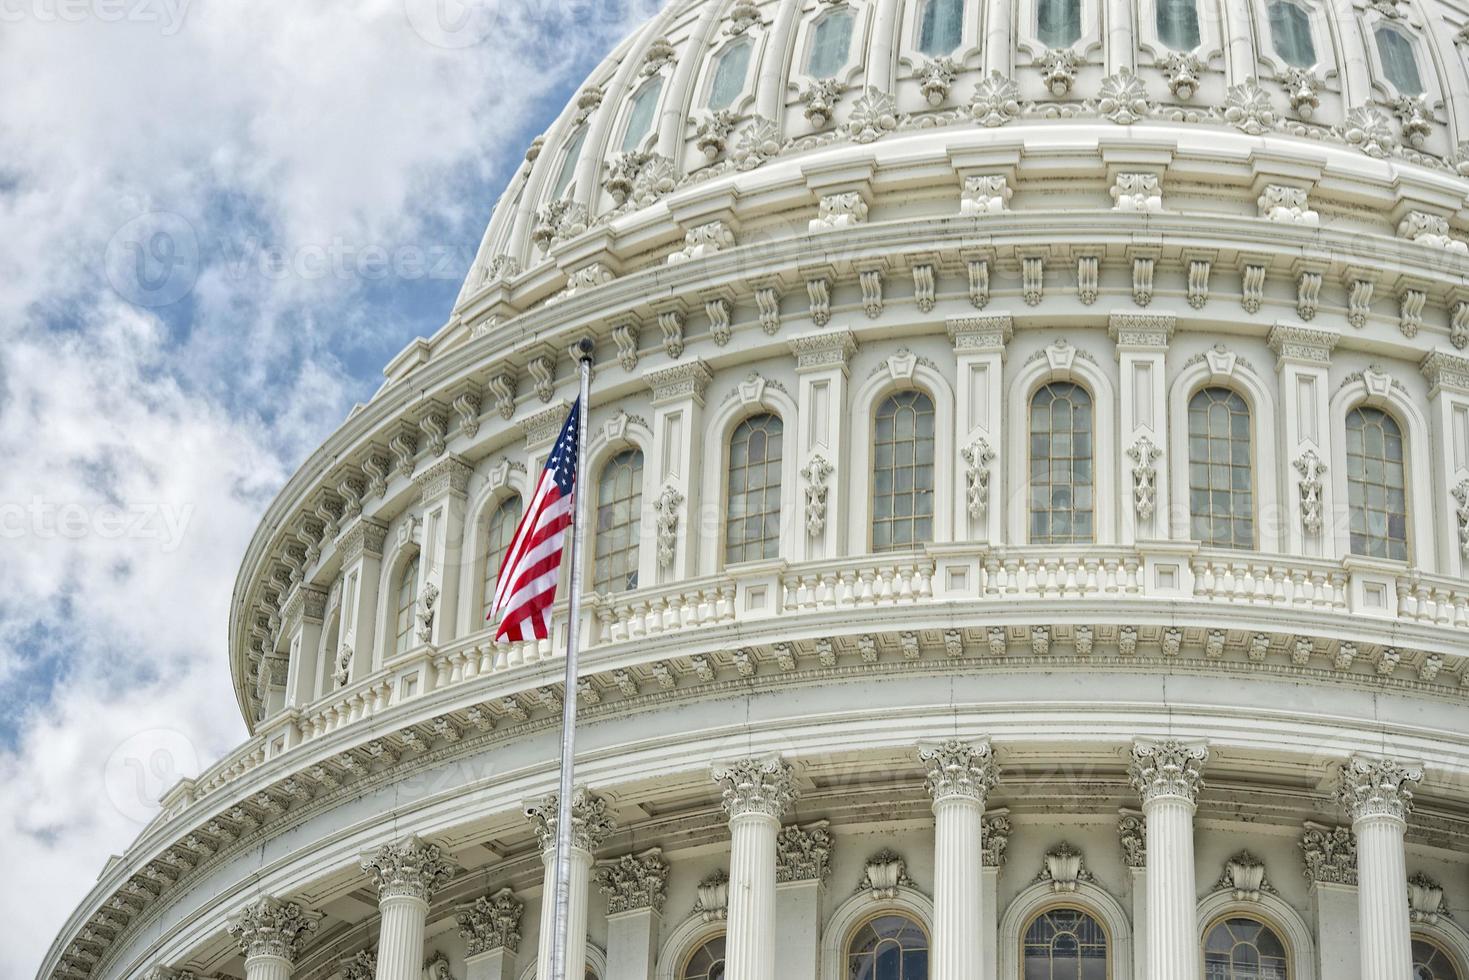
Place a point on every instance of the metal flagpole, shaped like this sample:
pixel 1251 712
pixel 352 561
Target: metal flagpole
pixel 568 713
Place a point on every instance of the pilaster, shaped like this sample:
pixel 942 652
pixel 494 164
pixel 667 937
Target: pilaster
pixel 490 928
pixel 634 885
pixel 678 434
pixel 1142 341
pixel 1330 855
pixel 1303 358
pixel 361 549
pixel 803 861
pixel 1448 411
pixel 821 440
pixel 979 349
pixel 302 618
pixel 443 493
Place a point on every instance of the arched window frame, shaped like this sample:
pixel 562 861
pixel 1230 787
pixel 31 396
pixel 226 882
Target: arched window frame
pixel 502 481
pixel 649 138
pixel 716 59
pixel 1377 390
pixel 619 432
pixel 683 943
pixel 408 547
pixel 897 373
pixel 1225 369
pixel 1450 938
pixel 1271 910
pixel 1061 362
pixel 331 640
pixel 596 964
pixel 861 908
pixel 751 399
pixel 1040 898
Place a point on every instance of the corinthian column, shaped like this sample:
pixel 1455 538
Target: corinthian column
pixel 270 934
pixel 1377 794
pixel 490 929
pixel 590 826
pixel 757 793
pixel 408 872
pixel 960 776
pixel 1168 777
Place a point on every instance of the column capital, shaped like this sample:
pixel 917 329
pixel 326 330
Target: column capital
pixel 763 786
pixel 362 966
pixel 633 881
pixel 1168 768
pixel 491 922
pixel 959 770
pixel 449 475
pixel 680 381
pixel 591 824
pixel 1445 372
pixel 1144 332
pixel 1302 344
pixel 1374 787
pixel 1330 854
pixel 408 868
pixel 982 334
pixel 823 349
pixel 270 927
pixel 803 853
pixel 1132 835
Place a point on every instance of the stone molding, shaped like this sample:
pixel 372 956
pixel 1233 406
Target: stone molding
pixel 448 476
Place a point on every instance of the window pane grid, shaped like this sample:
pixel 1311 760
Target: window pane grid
pixel 1376 485
pixel 619 521
pixel 752 528
pixel 1221 476
pixel 902 472
pixel 707 962
pixel 498 533
pixel 1431 963
pixel 407 603
pixel 1244 949
pixel 1065 944
pixel 889 947
pixel 1061 465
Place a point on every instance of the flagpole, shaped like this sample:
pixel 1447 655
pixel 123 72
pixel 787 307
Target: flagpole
pixel 568 710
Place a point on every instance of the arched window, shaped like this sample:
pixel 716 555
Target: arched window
pixel 568 164
pixel 1178 24
pixel 830 43
pixel 1058 22
pixel 1376 485
pixel 1398 61
pixel 752 531
pixel 407 603
pixel 942 26
pixel 498 532
pixel 902 471
pixel 1431 963
pixel 619 518
pixel 1290 34
pixel 1061 477
pixel 706 962
pixel 1244 949
pixel 1065 944
pixel 1220 473
pixel 729 75
pixel 640 118
pixel 888 947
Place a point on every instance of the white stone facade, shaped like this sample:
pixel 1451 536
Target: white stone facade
pixel 977 730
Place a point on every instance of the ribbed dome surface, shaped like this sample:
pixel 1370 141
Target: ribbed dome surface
pixel 712 88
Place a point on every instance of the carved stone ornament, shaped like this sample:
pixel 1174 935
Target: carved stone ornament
pixel 1168 768
pixel 1425 900
pixel 985 194
pixel 426 601
pixel 1377 788
pixel 1064 868
pixel 712 136
pixel 270 927
pixel 839 211
pixel 1124 98
pixel 591 824
pixel 559 221
pixel 634 881
pixel 362 966
pixel 492 922
pixel 935 78
pixel 1144 456
pixel 996 100
pixel 408 868
pixel 1459 325
pixel 821 98
pixel 1367 129
pixel 437 967
pixel 1302 87
pixel 1244 876
pixel 1415 117
pixel 1132 836
pixel 874 114
pixel 1330 854
pixel 1137 192
pixel 1311 468
pixel 1287 205
pixel 1247 107
pixel 1461 516
pixel 977 458
pixel 759 787
pixel 667 509
pixel 1182 69
pixel 803 853
pixel 995 838
pixel 342 668
pixel 1431 230
pixel 882 876
pixel 1058 70
pixel 742 16
pixel 759 141
pixel 816 473
pixel 959 770
pixel 713 900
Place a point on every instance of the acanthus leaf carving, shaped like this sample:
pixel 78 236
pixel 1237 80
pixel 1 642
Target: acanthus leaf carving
pixel 491 922
pixel 1330 854
pixel 634 881
pixel 816 473
pixel 996 100
pixel 667 507
pixel 874 114
pixel 935 79
pixel 1123 98
pixel 977 458
pixel 1144 456
pixel 803 853
pixel 1065 868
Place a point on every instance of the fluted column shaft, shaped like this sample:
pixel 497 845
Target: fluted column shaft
pixel 267 967
pixel 1168 777
pixel 408 872
pixel 400 937
pixel 960 776
pixel 579 877
pixel 1378 795
pixel 757 792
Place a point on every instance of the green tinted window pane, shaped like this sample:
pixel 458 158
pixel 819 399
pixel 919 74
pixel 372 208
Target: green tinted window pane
pixel 640 119
pixel 619 518
pixel 942 26
pixel 1221 482
pixel 1398 61
pixel 1058 22
pixel 1178 24
pixel 903 471
pixel 1290 33
pixel 830 43
pixel 729 75
pixel 568 164
pixel 753 490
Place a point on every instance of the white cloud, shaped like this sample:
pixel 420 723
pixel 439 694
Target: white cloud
pixel 298 126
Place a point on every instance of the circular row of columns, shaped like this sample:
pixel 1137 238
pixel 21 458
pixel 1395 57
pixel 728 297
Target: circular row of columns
pixel 1168 774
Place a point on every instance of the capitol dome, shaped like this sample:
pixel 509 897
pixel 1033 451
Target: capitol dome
pixel 1029 462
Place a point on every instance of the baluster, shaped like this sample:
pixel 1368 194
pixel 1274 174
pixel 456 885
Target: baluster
pixel 925 581
pixel 904 575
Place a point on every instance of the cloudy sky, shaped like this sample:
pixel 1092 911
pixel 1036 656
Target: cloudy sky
pixel 196 201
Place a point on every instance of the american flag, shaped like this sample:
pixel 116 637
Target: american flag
pixel 526 588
